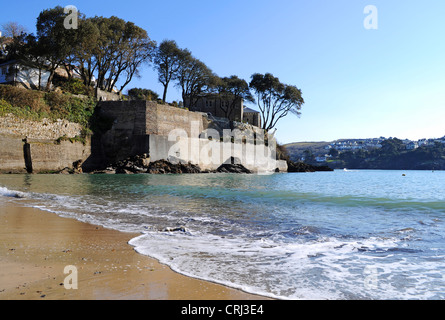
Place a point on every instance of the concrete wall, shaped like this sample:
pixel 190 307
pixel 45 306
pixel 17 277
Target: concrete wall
pixel 174 134
pixel 210 154
pixel 45 153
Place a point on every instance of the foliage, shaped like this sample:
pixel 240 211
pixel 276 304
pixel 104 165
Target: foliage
pixel 167 63
pixel 275 99
pixel 393 155
pixel 231 91
pixel 193 77
pixel 143 94
pixel 35 105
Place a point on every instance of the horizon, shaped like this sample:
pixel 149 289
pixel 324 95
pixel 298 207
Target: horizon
pixel 388 81
pixel 346 139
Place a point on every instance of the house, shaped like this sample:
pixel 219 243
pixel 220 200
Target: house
pixel 252 117
pixel 217 106
pixel 23 74
pixel 412 145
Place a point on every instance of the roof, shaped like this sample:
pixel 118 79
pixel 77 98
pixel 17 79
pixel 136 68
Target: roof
pixel 250 110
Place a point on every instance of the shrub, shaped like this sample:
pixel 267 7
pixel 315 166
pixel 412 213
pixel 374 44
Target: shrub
pixel 23 98
pixel 37 105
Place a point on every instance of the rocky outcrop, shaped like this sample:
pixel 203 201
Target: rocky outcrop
pixel 304 167
pixel 232 168
pixel 142 164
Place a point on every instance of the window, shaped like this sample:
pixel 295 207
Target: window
pixel 4 71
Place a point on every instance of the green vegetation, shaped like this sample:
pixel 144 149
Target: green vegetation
pixel 106 53
pixel 275 99
pixel 36 105
pixel 393 155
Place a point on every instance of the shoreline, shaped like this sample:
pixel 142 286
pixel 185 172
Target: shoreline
pixel 37 245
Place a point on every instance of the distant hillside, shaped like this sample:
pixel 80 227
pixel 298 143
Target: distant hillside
pixel 375 153
pixel 296 149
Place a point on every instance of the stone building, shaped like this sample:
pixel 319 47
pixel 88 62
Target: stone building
pixel 217 107
pixel 252 117
pixel 225 108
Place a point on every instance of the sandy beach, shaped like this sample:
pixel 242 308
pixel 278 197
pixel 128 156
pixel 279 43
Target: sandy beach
pixel 36 246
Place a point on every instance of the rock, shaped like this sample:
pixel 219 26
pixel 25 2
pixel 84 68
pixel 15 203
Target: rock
pixel 304 167
pixel 233 168
pixel 77 167
pixel 66 171
pixel 163 167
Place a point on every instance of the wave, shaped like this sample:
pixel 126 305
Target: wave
pixel 5 192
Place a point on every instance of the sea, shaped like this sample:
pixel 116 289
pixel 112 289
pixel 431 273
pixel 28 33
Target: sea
pixel 342 235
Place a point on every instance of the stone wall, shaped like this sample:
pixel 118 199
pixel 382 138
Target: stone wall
pixel 174 134
pixel 45 129
pixel 44 152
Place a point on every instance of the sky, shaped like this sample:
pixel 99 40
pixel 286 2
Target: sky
pixel 356 82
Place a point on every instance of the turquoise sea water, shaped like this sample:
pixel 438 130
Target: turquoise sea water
pixel 330 235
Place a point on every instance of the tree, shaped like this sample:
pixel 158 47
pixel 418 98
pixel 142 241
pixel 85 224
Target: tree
pixel 13 29
pixel 193 77
pixel 167 63
pixel 275 99
pixel 143 94
pixel 309 157
pixel 85 50
pixel 55 41
pixel 333 152
pixel 121 50
pixel 231 90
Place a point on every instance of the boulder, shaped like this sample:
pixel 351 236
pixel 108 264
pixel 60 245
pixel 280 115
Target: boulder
pixel 233 168
pixel 304 167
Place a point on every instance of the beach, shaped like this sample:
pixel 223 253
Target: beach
pixel 36 246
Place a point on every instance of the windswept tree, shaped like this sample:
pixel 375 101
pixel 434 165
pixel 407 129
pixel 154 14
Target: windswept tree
pixel 193 77
pixel 275 99
pixel 122 49
pixel 143 94
pixel 55 41
pixel 232 90
pixel 166 61
pixel 85 50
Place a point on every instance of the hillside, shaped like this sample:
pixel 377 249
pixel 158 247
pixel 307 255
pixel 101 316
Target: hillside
pixel 377 153
pixel 297 149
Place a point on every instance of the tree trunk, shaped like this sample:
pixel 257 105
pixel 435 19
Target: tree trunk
pixel 50 80
pixel 164 96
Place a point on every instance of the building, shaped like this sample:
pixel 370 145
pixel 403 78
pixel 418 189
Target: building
pixel 412 145
pixel 252 117
pixel 217 107
pixel 20 73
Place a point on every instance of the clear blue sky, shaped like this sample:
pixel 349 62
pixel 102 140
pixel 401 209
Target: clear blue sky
pixel 357 83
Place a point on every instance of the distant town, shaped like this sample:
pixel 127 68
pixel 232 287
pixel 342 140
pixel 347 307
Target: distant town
pixel 345 149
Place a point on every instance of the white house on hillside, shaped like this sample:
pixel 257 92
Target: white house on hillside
pixel 19 73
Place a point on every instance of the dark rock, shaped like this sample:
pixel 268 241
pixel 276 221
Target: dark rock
pixel 304 167
pixel 164 167
pixel 233 168
pixel 77 167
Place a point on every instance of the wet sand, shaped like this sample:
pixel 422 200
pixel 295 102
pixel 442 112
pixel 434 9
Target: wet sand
pixel 36 246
